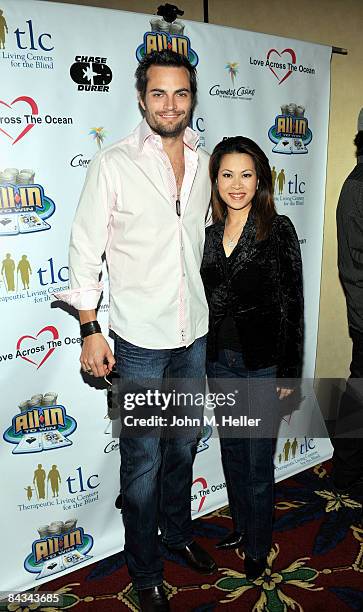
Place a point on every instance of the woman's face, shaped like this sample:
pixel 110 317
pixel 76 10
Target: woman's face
pixel 237 180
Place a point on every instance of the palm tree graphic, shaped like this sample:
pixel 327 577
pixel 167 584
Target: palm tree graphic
pixel 232 68
pixel 99 135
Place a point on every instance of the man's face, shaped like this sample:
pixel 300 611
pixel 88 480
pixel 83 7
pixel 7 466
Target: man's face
pixel 168 100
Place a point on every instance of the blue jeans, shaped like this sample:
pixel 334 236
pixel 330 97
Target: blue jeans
pixel 248 462
pixel 156 473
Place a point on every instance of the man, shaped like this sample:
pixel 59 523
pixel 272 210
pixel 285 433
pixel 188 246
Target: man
pixel 348 444
pixel 39 481
pixel 144 203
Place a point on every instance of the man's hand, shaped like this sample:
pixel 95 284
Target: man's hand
pixel 96 356
pixel 283 392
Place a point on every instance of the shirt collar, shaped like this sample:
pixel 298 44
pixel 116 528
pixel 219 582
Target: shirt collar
pixel 191 138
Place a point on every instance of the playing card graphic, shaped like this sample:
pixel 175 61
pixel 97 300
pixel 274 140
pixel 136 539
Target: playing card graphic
pixel 297 146
pixel 31 222
pixel 54 439
pixel 52 567
pixel 283 146
pixel 73 558
pixel 9 225
pixel 31 443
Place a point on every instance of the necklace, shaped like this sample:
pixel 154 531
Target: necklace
pixel 231 240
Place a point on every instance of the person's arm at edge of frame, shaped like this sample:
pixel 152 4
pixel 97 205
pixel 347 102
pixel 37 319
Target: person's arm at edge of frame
pixel 88 242
pixel 349 234
pixel 291 289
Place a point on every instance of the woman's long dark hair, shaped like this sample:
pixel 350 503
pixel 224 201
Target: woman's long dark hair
pixel 263 201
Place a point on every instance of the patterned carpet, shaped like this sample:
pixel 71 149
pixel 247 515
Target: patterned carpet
pixel 315 564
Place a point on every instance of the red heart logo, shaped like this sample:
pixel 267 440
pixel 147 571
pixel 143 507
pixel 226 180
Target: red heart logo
pixel 282 77
pixel 34 111
pixel 204 484
pixel 55 336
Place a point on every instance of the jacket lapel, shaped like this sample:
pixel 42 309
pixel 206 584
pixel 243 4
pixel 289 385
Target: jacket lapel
pixel 245 249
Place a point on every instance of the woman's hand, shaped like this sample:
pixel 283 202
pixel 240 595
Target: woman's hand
pixel 284 392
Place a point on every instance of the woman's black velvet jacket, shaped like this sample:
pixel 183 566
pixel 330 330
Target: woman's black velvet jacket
pixel 260 286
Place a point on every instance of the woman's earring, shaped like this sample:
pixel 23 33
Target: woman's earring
pixel 258 182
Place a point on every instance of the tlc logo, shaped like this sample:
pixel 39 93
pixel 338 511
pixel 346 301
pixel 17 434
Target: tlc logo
pixel 81 483
pixel 281 183
pixel 296 186
pixel 51 273
pixel 27 38
pixel 197 124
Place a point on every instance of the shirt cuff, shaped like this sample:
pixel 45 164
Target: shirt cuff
pixel 83 298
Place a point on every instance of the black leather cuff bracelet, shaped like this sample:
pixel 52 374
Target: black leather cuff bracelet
pixel 87 329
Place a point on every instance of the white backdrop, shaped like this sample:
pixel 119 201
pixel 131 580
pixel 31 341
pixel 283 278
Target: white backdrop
pixel 69 89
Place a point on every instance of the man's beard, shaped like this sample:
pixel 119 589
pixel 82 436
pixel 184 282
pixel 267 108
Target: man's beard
pixel 165 131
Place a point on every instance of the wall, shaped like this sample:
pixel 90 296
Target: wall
pixel 330 22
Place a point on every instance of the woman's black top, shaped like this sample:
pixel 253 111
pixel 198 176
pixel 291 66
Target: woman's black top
pixel 260 286
pixel 227 337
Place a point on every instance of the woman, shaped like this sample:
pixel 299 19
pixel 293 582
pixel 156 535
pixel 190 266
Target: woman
pixel 252 276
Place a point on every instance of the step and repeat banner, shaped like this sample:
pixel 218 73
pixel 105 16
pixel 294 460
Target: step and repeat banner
pixel 67 90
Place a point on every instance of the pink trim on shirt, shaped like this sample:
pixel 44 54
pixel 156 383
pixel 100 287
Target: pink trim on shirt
pixel 83 298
